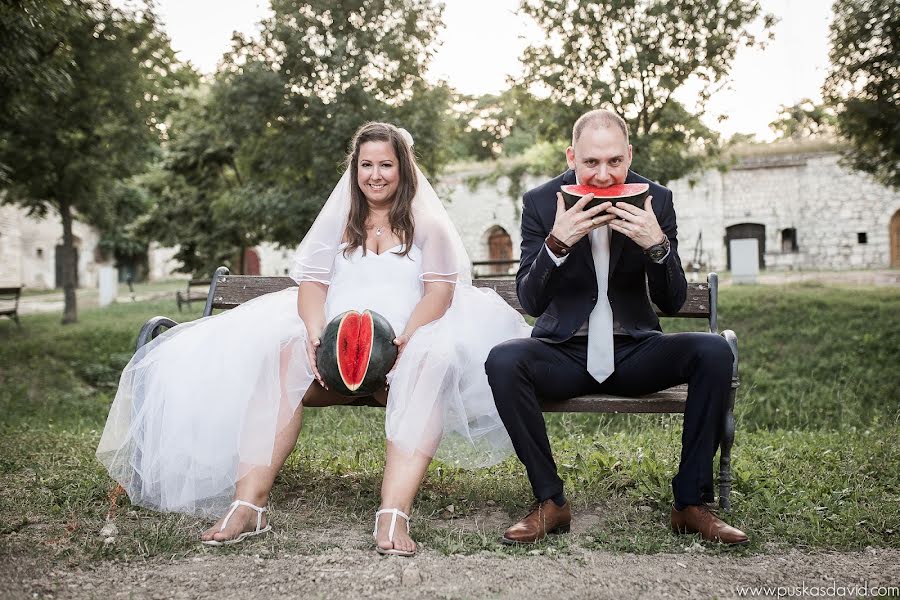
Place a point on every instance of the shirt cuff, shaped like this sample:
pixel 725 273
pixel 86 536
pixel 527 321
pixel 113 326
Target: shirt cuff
pixel 557 260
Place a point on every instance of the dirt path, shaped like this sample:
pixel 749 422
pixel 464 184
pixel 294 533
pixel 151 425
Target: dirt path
pixel 347 574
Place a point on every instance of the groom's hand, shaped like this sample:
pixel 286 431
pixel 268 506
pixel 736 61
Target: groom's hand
pixel 639 225
pixel 573 224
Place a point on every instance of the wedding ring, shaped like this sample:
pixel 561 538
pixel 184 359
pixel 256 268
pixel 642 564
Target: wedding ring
pixel 594 221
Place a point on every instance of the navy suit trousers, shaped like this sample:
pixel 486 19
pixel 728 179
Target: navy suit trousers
pixel 523 371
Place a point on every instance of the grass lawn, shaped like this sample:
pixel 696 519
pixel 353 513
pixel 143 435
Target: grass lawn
pixel 816 462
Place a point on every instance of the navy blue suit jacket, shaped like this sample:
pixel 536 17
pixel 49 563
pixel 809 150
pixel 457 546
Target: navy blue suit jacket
pixel 563 297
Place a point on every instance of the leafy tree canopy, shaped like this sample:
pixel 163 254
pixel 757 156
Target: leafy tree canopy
pixel 633 56
pixel 802 120
pixel 110 74
pixel 864 84
pixel 280 115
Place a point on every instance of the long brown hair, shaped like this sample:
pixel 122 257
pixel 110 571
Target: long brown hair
pixel 400 216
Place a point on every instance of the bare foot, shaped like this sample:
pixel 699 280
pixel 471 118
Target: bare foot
pixel 243 519
pixel 402 541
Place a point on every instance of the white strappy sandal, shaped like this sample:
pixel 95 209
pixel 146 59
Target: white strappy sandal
pixel 246 534
pixel 395 512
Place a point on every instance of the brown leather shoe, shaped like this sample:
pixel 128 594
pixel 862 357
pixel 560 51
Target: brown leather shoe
pixel 545 517
pixel 699 519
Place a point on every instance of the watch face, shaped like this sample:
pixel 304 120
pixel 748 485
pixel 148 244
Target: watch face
pixel 658 251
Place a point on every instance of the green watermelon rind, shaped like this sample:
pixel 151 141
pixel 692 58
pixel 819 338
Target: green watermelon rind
pixel 635 199
pixel 381 358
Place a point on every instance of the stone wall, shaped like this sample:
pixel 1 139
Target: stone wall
pixel 827 204
pixel 28 249
pixel 477 211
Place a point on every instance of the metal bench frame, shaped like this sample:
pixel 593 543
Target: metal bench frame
pixel 187 296
pixel 228 291
pixel 11 294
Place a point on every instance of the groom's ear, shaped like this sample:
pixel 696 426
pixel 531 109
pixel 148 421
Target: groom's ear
pixel 570 157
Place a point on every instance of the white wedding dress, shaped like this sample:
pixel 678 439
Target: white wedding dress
pixel 201 404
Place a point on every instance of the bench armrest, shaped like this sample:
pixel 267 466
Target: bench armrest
pixel 731 338
pixel 153 328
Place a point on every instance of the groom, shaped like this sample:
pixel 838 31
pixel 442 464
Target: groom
pixel 589 277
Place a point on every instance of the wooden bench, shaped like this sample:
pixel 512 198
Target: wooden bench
pixel 228 291
pixel 197 290
pixel 9 303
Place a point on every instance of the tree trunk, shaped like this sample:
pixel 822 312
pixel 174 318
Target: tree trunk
pixel 70 309
pixel 241 262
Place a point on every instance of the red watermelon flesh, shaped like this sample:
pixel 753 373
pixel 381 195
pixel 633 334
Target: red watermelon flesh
pixel 354 348
pixel 355 353
pixel 632 193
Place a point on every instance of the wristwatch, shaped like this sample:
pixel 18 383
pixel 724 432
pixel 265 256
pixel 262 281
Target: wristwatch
pixel 658 252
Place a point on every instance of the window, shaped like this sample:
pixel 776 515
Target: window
pixel 862 237
pixel 789 240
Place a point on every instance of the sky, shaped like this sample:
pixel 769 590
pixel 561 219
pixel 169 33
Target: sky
pixel 483 39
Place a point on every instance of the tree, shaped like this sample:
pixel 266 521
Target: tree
pixel 204 206
pixel 802 120
pixel 863 84
pixel 280 115
pixel 30 57
pixel 102 124
pixel 634 56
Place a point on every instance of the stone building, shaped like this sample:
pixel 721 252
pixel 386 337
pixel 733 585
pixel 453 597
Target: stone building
pixel 487 217
pixel 30 249
pixel 807 212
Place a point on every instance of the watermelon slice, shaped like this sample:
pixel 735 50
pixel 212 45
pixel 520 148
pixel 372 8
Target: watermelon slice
pixel 631 193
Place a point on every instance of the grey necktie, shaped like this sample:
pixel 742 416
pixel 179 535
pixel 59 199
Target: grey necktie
pixel 600 363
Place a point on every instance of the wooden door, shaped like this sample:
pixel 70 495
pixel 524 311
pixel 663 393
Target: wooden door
pixel 499 248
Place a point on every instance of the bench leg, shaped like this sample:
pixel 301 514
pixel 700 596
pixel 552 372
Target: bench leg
pixel 725 477
pixel 16 319
pixel 178 300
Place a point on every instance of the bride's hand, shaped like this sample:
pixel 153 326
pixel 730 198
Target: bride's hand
pixel 311 345
pixel 400 341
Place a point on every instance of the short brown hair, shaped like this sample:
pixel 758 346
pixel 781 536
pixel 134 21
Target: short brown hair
pixel 600 117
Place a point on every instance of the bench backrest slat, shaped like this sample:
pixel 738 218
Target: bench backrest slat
pixel 12 292
pixel 233 290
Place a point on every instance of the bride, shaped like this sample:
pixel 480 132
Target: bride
pixel 206 414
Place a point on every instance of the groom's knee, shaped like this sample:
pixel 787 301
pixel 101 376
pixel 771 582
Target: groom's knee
pixel 504 362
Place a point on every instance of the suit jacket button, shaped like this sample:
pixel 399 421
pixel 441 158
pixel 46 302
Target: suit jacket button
pixel 593 298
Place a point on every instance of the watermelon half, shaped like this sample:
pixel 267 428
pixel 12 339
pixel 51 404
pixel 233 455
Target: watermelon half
pixel 632 193
pixel 356 352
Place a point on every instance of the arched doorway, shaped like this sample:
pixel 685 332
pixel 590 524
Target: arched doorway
pixel 499 248
pixel 895 240
pixel 743 231
pixel 251 262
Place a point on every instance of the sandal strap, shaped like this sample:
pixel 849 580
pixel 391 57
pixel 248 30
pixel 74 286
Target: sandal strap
pixel 395 512
pixel 234 506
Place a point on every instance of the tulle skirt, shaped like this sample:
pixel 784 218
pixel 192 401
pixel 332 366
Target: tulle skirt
pixel 199 406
